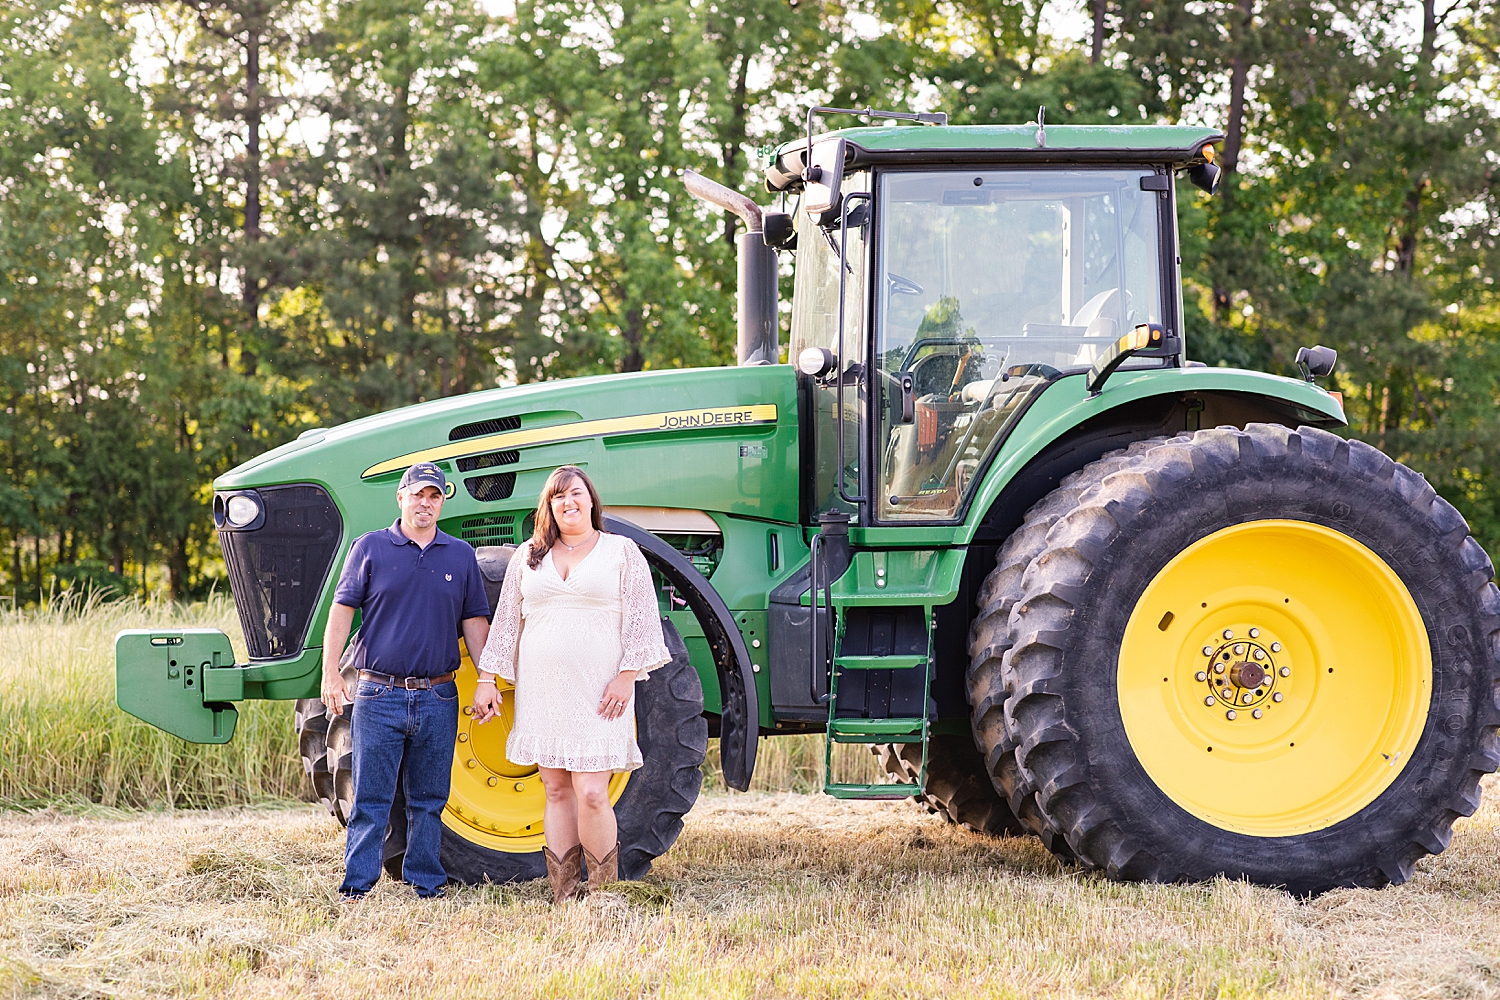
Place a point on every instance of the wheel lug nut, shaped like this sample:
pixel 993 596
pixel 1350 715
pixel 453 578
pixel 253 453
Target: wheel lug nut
pixel 1257 713
pixel 1230 715
pixel 1248 698
pixel 1255 633
pixel 1218 668
pixel 1208 651
pixel 1239 649
pixel 1286 671
pixel 1275 647
pixel 1229 633
pixel 1202 675
pixel 1277 696
pixel 1209 700
pixel 1260 654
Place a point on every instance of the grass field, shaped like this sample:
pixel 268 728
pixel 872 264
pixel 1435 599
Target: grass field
pixel 764 896
pixel 63 739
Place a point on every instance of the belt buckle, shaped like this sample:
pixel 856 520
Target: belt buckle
pixel 412 683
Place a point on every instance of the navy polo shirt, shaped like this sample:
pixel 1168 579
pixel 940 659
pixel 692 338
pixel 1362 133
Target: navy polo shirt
pixel 413 599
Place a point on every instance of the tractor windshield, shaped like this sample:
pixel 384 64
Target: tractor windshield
pixel 994 282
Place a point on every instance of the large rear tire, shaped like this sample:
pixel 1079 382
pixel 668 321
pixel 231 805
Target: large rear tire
pixel 989 641
pixel 1267 654
pixel 957 788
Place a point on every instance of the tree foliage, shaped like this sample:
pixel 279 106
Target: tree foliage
pixel 225 221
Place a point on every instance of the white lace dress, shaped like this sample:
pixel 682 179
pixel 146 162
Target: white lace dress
pixel 561 642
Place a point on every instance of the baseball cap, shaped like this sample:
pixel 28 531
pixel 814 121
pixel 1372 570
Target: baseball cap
pixel 424 474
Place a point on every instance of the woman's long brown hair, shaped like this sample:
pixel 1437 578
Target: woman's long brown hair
pixel 546 533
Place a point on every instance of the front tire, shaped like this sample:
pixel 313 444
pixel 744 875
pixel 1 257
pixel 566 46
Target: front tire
pixel 1267 654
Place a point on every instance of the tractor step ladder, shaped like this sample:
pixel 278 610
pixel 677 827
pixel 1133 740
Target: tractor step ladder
pixel 873 731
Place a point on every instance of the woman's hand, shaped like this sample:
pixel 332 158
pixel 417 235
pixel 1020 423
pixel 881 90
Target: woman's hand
pixel 486 702
pixel 617 695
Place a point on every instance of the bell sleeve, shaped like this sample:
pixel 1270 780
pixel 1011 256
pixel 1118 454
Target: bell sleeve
pixel 640 620
pixel 499 655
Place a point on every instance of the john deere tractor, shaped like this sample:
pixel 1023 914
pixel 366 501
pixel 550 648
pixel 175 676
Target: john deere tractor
pixel 990 521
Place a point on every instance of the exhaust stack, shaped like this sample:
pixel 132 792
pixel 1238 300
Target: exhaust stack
pixel 756 320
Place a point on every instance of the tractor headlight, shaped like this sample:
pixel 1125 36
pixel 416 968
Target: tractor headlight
pixel 241 510
pixel 816 361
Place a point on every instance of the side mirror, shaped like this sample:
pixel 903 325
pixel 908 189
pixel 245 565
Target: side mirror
pixel 1205 176
pixel 821 195
pixel 779 231
pixel 1316 362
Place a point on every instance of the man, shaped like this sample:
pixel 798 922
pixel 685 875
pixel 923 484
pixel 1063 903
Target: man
pixel 416 587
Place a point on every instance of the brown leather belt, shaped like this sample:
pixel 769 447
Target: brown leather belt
pixel 410 683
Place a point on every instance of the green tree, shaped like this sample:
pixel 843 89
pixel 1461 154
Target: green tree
pixel 87 212
pixel 1357 210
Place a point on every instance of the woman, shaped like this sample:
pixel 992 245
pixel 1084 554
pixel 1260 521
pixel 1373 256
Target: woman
pixel 575 627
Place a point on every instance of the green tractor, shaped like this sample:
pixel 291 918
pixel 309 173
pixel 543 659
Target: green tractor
pixel 990 522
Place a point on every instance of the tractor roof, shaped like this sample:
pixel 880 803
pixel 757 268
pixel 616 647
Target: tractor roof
pixel 1010 144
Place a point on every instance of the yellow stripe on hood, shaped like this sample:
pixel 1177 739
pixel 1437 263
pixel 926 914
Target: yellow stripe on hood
pixel 672 420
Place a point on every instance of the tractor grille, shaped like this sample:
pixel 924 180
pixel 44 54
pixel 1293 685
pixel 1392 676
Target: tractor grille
pixel 488 460
pixel 488 488
pixel 277 571
pixel 482 427
pixel 495 529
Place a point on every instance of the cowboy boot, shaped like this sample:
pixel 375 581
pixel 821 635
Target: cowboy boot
pixel 565 873
pixel 605 870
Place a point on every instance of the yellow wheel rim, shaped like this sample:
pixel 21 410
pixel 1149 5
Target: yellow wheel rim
pixel 1274 678
pixel 493 802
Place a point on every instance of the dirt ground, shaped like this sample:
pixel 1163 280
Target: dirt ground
pixel 764 896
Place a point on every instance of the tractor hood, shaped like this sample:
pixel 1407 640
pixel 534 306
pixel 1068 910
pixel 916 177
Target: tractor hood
pixel 690 445
pixel 720 439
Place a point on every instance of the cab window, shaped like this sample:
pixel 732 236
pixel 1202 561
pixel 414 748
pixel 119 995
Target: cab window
pixel 992 284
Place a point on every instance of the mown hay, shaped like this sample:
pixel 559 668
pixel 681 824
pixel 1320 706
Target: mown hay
pixel 763 896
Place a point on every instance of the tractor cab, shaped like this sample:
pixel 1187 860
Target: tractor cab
pixel 946 277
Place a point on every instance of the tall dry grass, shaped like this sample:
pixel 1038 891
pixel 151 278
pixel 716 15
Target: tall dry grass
pixel 795 764
pixel 62 738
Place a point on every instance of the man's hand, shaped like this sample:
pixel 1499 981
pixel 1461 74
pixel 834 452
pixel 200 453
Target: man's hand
pixel 335 692
pixel 335 636
pixel 617 695
pixel 486 703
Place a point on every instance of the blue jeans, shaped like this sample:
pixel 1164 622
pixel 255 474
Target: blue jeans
pixel 391 723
